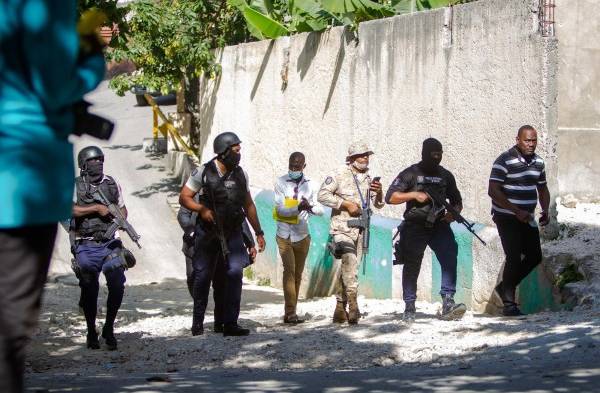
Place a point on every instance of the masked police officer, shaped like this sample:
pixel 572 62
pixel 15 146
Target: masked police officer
pixel 427 224
pixel 95 248
pixel 224 202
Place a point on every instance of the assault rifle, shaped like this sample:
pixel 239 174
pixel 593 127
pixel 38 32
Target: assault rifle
pixel 220 231
pixel 437 200
pixel 364 221
pixel 119 220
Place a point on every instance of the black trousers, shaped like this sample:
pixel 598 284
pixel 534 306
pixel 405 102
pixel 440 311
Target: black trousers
pixel 414 238
pixel 25 254
pixel 521 244
pixel 225 275
pixel 218 284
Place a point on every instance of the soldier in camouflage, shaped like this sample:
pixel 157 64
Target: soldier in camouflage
pixel 344 192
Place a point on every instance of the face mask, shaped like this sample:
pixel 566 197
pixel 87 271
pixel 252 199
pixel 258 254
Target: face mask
pixel 295 175
pixel 428 162
pixel 360 166
pixel 94 171
pixel 231 159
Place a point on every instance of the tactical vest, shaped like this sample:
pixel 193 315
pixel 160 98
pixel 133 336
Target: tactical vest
pixel 94 225
pixel 225 196
pixel 422 212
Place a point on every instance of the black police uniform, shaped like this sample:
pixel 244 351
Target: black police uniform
pixel 225 196
pixel 422 227
pixel 187 220
pixel 96 252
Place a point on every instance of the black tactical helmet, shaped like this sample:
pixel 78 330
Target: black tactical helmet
pixel 87 153
pixel 224 141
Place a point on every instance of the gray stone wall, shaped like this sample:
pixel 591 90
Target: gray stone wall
pixel 469 76
pixel 578 29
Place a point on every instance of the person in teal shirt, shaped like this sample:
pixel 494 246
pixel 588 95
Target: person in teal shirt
pixel 42 74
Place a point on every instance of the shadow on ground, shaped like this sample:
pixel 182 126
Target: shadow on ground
pixel 305 355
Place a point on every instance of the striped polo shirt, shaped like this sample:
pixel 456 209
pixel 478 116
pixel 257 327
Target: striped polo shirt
pixel 520 179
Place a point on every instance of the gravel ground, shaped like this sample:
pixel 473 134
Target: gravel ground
pixel 153 330
pixel 153 324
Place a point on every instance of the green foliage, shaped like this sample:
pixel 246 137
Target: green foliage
pixel 249 273
pixel 167 39
pixel 274 18
pixel 115 16
pixel 163 42
pixel 569 274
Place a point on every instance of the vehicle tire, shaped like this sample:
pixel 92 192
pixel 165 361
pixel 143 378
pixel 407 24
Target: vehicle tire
pixel 141 100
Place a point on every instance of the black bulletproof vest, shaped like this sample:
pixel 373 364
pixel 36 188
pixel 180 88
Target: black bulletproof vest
pixel 94 225
pixel 225 195
pixel 433 184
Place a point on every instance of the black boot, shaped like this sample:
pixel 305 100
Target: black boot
pixel 233 329
pixel 511 310
pixel 92 341
pixel 410 312
pixel 218 327
pixel 450 310
pixel 197 329
pixel 109 338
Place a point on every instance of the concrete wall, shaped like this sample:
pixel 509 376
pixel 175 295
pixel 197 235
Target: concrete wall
pixel 469 76
pixel 577 28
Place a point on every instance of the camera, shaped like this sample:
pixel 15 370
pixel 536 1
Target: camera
pixel 90 124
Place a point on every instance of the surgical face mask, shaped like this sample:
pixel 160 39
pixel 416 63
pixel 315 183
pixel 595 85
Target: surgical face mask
pixel 94 171
pixel 295 175
pixel 361 166
pixel 231 159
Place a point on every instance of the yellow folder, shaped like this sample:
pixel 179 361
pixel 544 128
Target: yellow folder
pixel 287 203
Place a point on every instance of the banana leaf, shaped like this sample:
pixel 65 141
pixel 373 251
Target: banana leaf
pixel 366 7
pixel 265 7
pixel 260 23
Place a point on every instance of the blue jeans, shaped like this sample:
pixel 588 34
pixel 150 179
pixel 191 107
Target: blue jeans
pixel 209 265
pixel 414 238
pixel 93 259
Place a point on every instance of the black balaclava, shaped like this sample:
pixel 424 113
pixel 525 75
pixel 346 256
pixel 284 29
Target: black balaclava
pixel 428 163
pixel 230 159
pixel 94 170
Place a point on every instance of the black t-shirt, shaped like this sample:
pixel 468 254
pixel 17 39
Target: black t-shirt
pixel 409 179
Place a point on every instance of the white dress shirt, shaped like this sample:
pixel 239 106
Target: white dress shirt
pixel 285 187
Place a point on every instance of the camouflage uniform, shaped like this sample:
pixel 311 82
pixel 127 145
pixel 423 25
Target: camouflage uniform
pixel 336 188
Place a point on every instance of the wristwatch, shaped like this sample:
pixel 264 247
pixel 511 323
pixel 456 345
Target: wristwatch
pixel 260 232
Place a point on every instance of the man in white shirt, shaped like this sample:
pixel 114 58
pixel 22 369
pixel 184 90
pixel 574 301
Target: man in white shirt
pixel 295 200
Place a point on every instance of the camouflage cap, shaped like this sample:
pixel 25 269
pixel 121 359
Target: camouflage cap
pixel 359 148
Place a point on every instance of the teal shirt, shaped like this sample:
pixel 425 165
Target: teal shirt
pixel 41 78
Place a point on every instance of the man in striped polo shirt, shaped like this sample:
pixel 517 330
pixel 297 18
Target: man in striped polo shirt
pixel 517 181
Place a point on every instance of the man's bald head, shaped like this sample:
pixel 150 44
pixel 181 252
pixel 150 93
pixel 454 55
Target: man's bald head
pixel 527 140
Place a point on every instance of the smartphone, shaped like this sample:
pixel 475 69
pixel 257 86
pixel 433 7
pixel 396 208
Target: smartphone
pixel 377 178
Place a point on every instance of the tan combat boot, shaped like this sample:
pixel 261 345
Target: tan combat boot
pixel 340 315
pixel 353 311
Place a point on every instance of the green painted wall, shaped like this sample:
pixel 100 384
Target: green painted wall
pixel 375 280
pixel 464 270
pixel 535 293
